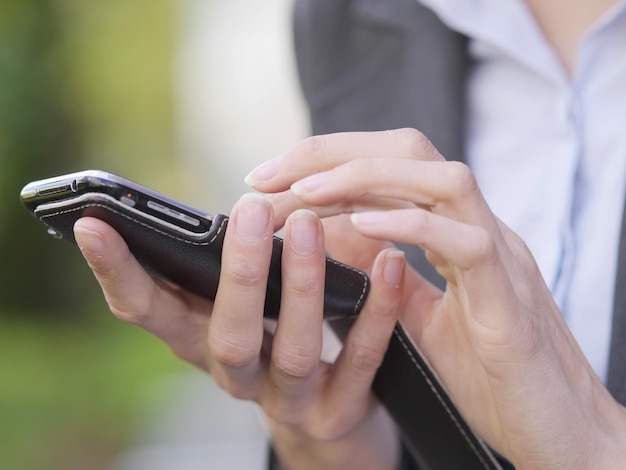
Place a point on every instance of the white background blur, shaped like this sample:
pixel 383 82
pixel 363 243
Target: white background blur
pixel 237 104
pixel 237 93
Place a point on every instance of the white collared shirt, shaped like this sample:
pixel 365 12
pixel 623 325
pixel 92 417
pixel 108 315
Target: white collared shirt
pixel 549 150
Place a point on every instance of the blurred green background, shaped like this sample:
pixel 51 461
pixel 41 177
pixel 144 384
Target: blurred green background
pixel 82 84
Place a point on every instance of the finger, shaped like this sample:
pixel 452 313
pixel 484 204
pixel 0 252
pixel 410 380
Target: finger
pixel 178 318
pixel 352 247
pixel 349 246
pixel 471 251
pixel 236 332
pixel 365 346
pixel 320 153
pixel 297 344
pixel 287 202
pixel 445 187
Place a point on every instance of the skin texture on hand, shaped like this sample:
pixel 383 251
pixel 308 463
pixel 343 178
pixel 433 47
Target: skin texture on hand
pixel 495 336
pixel 321 414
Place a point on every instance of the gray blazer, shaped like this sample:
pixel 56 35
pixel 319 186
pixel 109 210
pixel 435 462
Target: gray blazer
pixel 385 64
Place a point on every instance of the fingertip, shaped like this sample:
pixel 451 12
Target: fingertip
pixel 263 173
pixel 394 263
pixel 365 221
pixel 304 231
pixel 252 218
pixel 88 237
pixel 388 279
pixel 99 243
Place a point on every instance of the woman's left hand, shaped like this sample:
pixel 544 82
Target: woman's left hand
pixel 494 336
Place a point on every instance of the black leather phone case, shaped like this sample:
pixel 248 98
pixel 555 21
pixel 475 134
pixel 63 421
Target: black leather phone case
pixel 434 432
pixel 193 260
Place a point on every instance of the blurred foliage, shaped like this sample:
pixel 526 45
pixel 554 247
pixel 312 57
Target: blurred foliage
pixel 71 401
pixel 38 136
pixel 83 84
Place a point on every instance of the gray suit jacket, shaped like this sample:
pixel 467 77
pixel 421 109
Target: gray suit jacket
pixel 384 64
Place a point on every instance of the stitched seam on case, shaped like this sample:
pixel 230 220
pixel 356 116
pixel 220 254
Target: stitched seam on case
pixel 139 222
pixel 221 227
pixel 366 281
pixel 441 400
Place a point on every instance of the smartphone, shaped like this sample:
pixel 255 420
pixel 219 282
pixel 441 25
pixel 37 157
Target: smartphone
pixel 172 240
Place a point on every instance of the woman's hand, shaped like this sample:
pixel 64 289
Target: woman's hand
pixel 495 336
pixel 321 415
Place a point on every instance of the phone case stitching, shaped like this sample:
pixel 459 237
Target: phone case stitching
pixel 219 230
pixel 359 301
pixel 440 399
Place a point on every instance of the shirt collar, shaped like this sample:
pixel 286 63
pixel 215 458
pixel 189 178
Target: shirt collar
pixel 507 27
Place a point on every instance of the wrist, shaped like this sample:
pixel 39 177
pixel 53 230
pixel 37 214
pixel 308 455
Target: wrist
pixel 373 444
pixel 609 450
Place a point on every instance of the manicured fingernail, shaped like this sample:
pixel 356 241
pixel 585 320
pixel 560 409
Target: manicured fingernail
pixel 89 242
pixel 393 268
pixel 363 219
pixel 310 184
pixel 252 218
pixel 304 232
pixel 264 172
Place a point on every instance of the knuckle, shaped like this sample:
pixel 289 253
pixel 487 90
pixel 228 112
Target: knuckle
pixel 313 145
pixel 297 361
pixel 365 359
pixel 130 315
pixel 461 178
pixel 416 144
pixel 484 246
pixel 232 351
pixel 245 274
pixel 136 310
pixel 305 287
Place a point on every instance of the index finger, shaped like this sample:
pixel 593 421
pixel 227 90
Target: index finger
pixel 323 152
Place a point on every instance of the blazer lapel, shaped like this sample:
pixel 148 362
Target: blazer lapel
pixel 387 13
pixel 426 71
pixel 373 65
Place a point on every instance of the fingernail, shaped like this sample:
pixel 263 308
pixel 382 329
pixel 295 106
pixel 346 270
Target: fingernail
pixel 89 242
pixel 304 230
pixel 310 184
pixel 264 172
pixel 252 218
pixel 369 218
pixel 393 268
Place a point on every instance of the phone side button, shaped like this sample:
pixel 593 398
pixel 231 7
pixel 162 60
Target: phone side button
pixel 54 233
pixel 128 201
